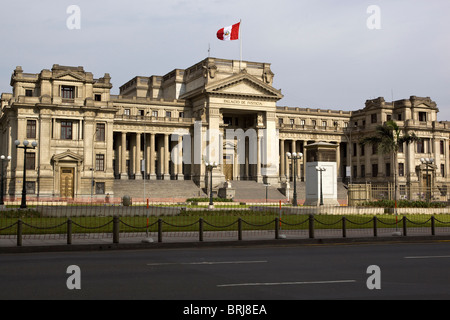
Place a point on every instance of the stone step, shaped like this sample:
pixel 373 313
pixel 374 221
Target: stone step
pixel 153 189
pixel 182 189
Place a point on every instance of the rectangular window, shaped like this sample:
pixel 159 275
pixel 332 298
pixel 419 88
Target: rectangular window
pixel 291 121
pixel 355 171
pixel 422 116
pixel 98 97
pixel 355 148
pixel 441 145
pixel 126 112
pixel 181 114
pixel 362 150
pixel 168 114
pixel 31 129
pixel 302 122
pixel 100 132
pixel 324 123
pixel 68 92
pixel 443 170
pixel 373 118
pixel 420 146
pixel 388 169
pixel 66 130
pixel 401 169
pixel 374 170
pixel 155 113
pixel 31 160
pixel 28 93
pixel 374 148
pixel 99 162
pixel 400 147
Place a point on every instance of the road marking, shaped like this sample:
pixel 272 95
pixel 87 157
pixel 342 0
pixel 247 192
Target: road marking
pixel 205 263
pixel 427 257
pixel 283 283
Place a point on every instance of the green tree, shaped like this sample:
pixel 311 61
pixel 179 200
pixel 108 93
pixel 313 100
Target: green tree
pixel 388 138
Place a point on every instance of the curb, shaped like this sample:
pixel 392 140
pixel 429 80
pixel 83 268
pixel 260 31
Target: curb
pixel 210 244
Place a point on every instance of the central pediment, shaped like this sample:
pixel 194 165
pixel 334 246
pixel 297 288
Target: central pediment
pixel 239 85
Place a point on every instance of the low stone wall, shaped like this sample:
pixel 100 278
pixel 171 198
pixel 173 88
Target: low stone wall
pixel 350 210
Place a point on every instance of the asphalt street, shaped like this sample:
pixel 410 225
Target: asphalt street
pixel 292 272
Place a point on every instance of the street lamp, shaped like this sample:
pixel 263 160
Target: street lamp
pixel 3 159
pixel 25 146
pixel 427 162
pixel 320 170
pixel 210 166
pixel 294 156
pixel 267 190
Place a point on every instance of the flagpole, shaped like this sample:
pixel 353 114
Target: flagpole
pixel 240 39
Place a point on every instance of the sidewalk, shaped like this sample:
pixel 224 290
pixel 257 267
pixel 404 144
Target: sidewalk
pixel 54 243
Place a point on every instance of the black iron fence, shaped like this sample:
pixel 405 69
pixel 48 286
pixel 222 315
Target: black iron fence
pixel 180 224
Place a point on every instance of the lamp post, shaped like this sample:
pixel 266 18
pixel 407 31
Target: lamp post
pixel 210 166
pixel 427 162
pixel 267 185
pixel 294 156
pixel 320 170
pixel 3 159
pixel 25 146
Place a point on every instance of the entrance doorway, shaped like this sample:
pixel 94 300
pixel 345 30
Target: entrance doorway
pixel 66 182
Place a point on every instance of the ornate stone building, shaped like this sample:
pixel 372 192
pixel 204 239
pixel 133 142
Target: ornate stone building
pixel 167 127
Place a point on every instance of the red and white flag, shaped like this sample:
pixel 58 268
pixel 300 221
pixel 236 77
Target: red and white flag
pixel 229 33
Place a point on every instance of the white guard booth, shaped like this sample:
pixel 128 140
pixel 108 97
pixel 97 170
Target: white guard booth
pixel 321 174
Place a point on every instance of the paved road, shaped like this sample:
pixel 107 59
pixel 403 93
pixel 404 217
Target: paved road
pixel 407 271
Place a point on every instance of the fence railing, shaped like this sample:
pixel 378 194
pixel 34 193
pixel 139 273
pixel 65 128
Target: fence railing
pixel 296 226
pixel 358 193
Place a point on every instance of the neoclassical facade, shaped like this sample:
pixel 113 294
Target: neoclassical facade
pixel 168 127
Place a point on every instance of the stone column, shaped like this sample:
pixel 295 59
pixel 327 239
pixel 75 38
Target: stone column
pixel 166 157
pixel 137 158
pixel 180 175
pixel 123 157
pixel 152 157
pixel 282 161
pixel 258 158
pixel 338 161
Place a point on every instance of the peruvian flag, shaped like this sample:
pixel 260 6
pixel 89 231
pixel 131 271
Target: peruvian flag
pixel 229 33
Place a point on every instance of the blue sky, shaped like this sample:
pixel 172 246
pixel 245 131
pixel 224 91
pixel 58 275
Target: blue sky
pixel 322 52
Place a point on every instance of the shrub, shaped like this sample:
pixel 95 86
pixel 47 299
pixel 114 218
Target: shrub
pixel 403 204
pixel 207 200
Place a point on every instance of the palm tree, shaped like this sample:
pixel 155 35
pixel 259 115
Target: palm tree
pixel 389 137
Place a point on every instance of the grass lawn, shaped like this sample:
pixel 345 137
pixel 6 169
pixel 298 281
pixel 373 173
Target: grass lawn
pixel 213 221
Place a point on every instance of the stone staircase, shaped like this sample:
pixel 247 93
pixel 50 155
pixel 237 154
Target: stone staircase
pixel 251 191
pixel 179 190
pixel 167 190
